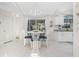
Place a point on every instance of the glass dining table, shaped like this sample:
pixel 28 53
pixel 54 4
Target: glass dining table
pixel 35 36
pixel 35 44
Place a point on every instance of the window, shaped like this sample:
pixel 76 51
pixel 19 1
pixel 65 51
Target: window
pixel 68 19
pixel 36 25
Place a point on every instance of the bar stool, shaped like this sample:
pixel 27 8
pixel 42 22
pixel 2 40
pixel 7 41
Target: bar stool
pixel 27 40
pixel 35 43
pixel 43 41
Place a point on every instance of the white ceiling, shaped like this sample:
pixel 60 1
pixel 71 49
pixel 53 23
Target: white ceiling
pixel 36 8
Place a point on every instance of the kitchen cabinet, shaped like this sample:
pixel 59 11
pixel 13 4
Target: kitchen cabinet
pixel 64 36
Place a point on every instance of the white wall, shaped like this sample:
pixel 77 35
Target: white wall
pixel 59 20
pixel 10 28
pixel 76 31
pixel 49 30
pixel 76 38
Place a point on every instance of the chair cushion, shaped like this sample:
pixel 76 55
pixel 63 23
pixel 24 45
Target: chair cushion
pixel 43 37
pixel 28 36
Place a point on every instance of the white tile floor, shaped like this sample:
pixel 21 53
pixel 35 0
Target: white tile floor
pixel 54 49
